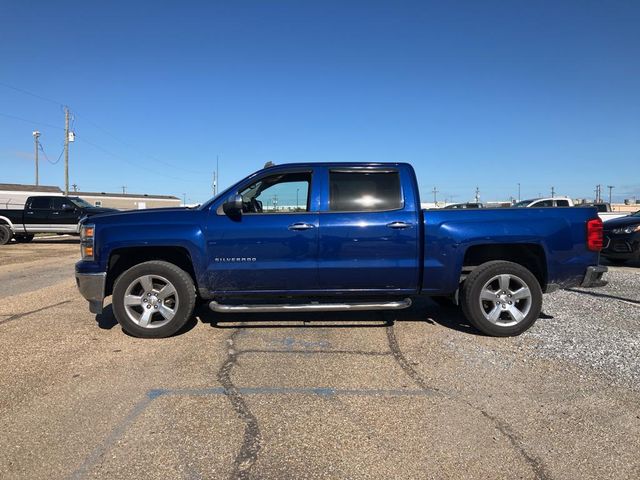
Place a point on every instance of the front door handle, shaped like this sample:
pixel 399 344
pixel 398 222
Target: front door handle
pixel 301 226
pixel 398 225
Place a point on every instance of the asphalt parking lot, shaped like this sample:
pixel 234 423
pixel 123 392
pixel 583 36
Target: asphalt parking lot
pixel 415 394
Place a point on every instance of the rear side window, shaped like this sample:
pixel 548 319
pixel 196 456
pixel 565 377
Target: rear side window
pixel 40 203
pixel 562 203
pixel 364 191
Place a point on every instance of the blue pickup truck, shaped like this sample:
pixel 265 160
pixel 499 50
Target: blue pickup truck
pixel 333 236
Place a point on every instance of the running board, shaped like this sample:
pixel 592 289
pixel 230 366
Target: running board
pixel 310 307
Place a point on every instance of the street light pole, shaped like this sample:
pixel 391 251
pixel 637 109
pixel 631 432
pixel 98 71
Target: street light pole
pixel 518 191
pixel 610 187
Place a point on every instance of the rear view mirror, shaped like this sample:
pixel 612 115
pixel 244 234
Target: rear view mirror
pixel 233 205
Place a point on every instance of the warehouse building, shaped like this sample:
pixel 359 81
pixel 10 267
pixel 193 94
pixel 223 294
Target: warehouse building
pixel 128 201
pixel 14 195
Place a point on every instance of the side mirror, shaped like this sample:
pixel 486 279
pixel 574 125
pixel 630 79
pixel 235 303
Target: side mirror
pixel 233 206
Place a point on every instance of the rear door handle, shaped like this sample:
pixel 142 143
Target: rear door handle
pixel 301 226
pixel 398 225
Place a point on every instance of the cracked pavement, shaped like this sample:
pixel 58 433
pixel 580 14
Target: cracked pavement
pixel 414 394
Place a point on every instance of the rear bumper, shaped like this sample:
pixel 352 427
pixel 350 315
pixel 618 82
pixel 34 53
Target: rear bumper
pixel 593 277
pixel 91 286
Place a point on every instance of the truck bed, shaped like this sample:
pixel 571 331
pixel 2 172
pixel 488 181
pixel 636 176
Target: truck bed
pixel 452 238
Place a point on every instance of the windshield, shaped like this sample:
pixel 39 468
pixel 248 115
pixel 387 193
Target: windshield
pixel 80 202
pixel 637 214
pixel 523 203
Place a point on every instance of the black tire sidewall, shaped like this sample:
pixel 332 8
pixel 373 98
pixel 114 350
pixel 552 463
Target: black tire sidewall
pixel 5 236
pixel 184 288
pixel 471 293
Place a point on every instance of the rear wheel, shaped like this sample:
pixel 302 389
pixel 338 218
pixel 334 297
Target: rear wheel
pixel 24 238
pixel 501 298
pixel 153 299
pixel 5 234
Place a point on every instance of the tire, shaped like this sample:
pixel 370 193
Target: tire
pixel 5 234
pixel 24 238
pixel 147 311
pixel 501 299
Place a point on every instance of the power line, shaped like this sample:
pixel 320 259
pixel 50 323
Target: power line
pixel 134 164
pixel 33 122
pixel 133 147
pixel 26 92
pixel 62 105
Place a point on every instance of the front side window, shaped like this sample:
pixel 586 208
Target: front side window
pixel 40 203
pixel 364 191
pixel 280 193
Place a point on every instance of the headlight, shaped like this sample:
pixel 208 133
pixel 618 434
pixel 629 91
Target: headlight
pixel 627 229
pixel 87 242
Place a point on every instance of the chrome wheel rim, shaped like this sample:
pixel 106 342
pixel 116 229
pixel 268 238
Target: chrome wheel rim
pixel 505 300
pixel 151 301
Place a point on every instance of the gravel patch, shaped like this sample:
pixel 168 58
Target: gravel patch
pixel 596 328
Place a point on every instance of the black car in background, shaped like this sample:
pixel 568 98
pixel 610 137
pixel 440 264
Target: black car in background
pixel 45 214
pixel 622 238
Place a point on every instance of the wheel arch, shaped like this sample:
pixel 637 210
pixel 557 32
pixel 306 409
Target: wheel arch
pixel 532 256
pixel 121 259
pixel 5 221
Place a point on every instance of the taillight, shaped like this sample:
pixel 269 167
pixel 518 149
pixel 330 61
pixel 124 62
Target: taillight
pixel 594 235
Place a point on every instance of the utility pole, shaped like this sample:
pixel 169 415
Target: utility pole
pixel 518 191
pixel 75 187
pixel 217 172
pixel 610 187
pixel 297 203
pixel 36 135
pixel 184 199
pixel 477 194
pixel 124 189
pixel 553 192
pixel 435 193
pixel 598 194
pixel 66 150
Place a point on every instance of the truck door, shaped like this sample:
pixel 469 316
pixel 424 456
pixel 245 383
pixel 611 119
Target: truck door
pixel 36 214
pixel 273 245
pixel 64 215
pixel 369 232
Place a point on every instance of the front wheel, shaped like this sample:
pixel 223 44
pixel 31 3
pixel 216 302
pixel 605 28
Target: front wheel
pixel 501 299
pixel 153 299
pixel 5 234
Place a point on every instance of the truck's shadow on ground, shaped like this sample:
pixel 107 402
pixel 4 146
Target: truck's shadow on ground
pixel 423 310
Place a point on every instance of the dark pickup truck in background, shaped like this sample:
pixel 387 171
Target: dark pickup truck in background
pixel 333 236
pixel 45 214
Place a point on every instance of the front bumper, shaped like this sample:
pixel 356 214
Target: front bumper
pixel 593 277
pixel 621 246
pixel 91 286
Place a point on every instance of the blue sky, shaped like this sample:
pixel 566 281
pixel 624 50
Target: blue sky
pixel 483 94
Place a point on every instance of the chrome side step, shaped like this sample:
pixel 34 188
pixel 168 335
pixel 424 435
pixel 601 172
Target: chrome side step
pixel 310 307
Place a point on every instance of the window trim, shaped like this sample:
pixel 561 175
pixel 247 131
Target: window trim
pixel 364 171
